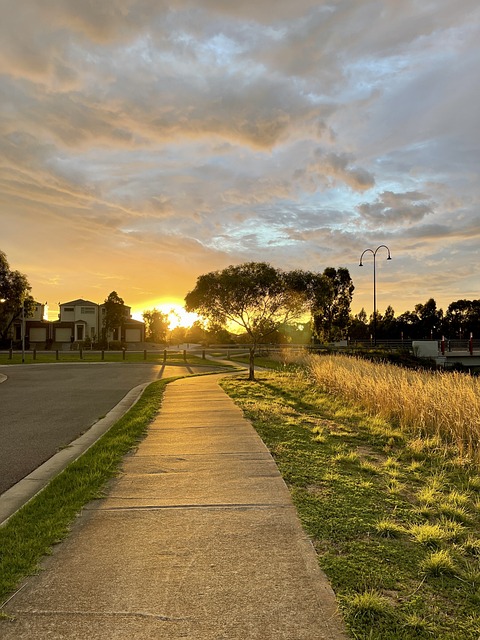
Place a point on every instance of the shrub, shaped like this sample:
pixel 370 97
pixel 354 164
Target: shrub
pixel 430 535
pixel 438 563
pixel 368 605
pixel 389 528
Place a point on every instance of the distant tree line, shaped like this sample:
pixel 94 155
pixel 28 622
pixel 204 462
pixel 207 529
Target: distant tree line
pixel 425 322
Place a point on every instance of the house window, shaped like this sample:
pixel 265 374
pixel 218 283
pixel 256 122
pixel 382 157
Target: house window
pixel 87 310
pixel 67 309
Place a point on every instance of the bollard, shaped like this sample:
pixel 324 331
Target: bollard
pixel 443 345
pixel 165 355
pixel 56 354
pixel 10 354
pixel 103 354
pixel 203 354
pixel 81 353
pixel 123 353
pixel 145 354
pixel 184 355
pixel 470 344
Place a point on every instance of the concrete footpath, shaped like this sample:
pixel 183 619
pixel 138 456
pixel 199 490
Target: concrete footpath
pixel 197 538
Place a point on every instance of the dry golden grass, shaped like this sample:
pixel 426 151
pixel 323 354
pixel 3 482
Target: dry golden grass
pixel 439 406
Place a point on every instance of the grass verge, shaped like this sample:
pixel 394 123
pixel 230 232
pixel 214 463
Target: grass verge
pixel 45 520
pixel 395 521
pixel 155 357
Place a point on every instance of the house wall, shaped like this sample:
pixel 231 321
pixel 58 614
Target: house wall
pixel 40 312
pixel 89 315
pixel 85 315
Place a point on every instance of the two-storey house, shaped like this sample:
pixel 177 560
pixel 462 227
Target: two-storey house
pixel 77 321
pixel 81 319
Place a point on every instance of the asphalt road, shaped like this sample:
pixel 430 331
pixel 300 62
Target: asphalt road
pixel 45 407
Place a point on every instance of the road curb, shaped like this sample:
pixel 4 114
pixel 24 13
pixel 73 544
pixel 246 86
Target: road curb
pixel 17 496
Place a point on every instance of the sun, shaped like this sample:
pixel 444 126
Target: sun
pixel 177 316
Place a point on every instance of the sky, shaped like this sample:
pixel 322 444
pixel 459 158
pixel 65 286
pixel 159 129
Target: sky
pixel 146 142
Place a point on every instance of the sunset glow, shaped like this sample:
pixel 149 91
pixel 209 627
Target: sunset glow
pixel 176 313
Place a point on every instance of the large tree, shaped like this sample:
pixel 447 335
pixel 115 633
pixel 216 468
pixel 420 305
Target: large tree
pixel 329 295
pixel 156 325
pixel 462 318
pixel 358 326
pixel 114 317
pixel 332 315
pixel 14 295
pixel 386 325
pixel 429 318
pixel 255 296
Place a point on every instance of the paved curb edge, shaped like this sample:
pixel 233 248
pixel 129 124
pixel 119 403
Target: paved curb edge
pixel 27 488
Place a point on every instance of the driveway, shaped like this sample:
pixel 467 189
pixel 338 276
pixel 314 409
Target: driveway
pixel 45 407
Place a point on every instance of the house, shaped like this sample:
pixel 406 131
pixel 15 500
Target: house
pixel 77 321
pixel 81 320
pixel 37 327
pixel 131 330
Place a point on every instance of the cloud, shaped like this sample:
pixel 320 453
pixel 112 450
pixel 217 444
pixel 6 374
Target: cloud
pixel 163 138
pixel 339 167
pixel 396 209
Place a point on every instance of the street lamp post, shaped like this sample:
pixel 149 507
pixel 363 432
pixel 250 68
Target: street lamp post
pixel 374 253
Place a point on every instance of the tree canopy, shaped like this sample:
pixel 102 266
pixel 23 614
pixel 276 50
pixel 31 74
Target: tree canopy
pixel 328 295
pixel 156 325
pixel 14 294
pixel 114 313
pixel 254 296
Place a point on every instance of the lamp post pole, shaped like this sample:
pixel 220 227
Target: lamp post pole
pixel 374 253
pixel 23 332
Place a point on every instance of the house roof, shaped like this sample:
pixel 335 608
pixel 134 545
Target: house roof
pixel 76 303
pixel 133 321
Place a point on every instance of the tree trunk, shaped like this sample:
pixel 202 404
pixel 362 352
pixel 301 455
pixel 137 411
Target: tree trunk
pixel 251 371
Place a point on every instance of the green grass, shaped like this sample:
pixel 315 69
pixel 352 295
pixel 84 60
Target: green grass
pixel 155 357
pixel 395 525
pixel 45 520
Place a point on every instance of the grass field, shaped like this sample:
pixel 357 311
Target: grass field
pixel 394 515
